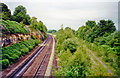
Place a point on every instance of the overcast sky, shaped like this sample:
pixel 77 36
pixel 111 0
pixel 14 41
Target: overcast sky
pixel 71 13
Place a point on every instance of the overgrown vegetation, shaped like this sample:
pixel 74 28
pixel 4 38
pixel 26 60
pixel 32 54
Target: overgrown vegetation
pixel 72 48
pixel 52 31
pixel 12 27
pixel 12 53
pixel 19 23
pixel 20 16
pixel 104 40
pixel 38 26
pixel 71 61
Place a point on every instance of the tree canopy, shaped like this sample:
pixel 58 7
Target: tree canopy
pixel 20 14
pixel 6 13
pixel 93 30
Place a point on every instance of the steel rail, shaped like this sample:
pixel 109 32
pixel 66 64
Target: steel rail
pixel 19 72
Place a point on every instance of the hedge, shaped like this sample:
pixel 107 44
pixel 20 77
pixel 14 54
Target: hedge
pixel 12 53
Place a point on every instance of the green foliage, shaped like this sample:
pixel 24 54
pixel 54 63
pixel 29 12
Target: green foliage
pixel 76 71
pixel 70 64
pixel 24 51
pixel 20 15
pixel 107 59
pixel 45 36
pixel 38 26
pixel 71 44
pixel 63 35
pixel 12 27
pixel 13 52
pixel 102 33
pixel 92 36
pixel 5 63
pixel 19 9
pixel 42 28
pixel 5 12
pixel 51 31
pixel 30 47
pixel 92 31
pixel 34 24
pixel 37 42
pixel 107 54
pixel 90 23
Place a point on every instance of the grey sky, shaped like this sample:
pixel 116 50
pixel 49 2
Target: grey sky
pixel 72 13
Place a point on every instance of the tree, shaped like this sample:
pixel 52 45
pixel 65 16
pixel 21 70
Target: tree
pixel 52 31
pixel 19 9
pixel 42 27
pixel 6 13
pixel 34 24
pixel 106 26
pixel 20 14
pixel 90 23
pixel 71 44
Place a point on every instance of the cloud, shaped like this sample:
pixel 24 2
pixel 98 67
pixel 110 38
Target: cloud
pixel 72 13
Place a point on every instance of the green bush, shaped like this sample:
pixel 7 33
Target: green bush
pixel 13 52
pixel 5 56
pixel 18 53
pixel 71 44
pixel 107 59
pixel 24 51
pixel 5 63
pixel 12 27
pixel 15 57
pixel 37 42
pixel 76 71
pixel 30 47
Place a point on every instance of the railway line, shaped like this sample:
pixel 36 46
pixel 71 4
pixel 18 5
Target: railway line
pixel 37 64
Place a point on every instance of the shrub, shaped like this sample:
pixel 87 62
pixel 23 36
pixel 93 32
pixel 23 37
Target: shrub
pixel 5 63
pixel 30 47
pixel 13 52
pixel 24 51
pixel 15 57
pixel 37 42
pixel 5 56
pixel 18 53
pixel 76 71
pixel 106 54
pixel 70 44
pixel 107 59
pixel 12 27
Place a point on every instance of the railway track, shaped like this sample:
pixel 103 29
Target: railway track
pixel 43 66
pixel 42 56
